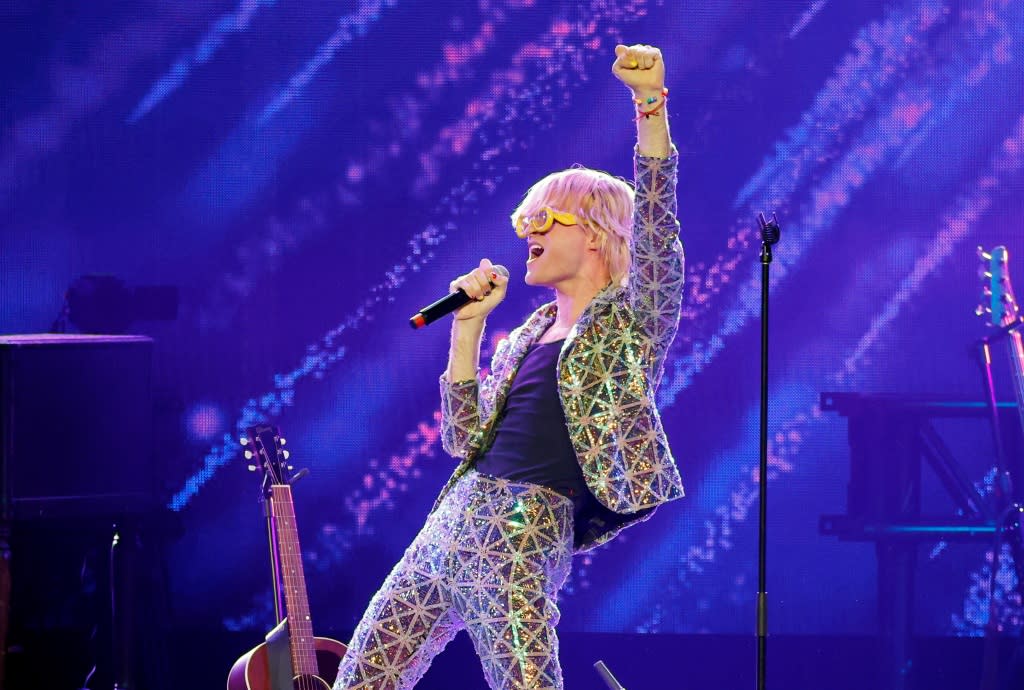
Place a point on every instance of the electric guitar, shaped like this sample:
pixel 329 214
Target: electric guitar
pixel 1000 306
pixel 291 658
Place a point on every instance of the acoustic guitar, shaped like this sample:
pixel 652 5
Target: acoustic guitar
pixel 290 658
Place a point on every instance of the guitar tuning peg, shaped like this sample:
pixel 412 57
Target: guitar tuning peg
pixel 248 454
pixel 291 468
pixel 252 468
pixel 982 254
pixel 986 290
pixel 979 310
pixel 243 441
pixel 286 454
pixel 984 273
pixel 284 441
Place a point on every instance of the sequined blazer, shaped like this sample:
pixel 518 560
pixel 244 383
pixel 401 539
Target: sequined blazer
pixel 609 368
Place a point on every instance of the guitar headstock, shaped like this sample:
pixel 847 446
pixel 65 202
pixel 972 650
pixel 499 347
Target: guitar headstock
pixel 998 302
pixel 264 449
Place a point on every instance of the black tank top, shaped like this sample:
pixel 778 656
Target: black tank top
pixel 532 442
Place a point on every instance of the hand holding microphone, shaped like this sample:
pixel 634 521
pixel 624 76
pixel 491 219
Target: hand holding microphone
pixel 473 295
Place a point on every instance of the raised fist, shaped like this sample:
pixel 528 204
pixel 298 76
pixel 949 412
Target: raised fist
pixel 640 67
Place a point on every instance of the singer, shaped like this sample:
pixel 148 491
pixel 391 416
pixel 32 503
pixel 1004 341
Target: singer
pixel 561 445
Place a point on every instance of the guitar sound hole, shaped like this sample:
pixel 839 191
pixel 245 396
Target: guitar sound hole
pixel 310 683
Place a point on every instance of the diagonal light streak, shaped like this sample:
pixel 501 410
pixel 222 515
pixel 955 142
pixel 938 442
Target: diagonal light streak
pixel 319 357
pixel 204 51
pixel 350 27
pixel 807 17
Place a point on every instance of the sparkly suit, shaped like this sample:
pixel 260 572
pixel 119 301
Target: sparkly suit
pixel 609 367
pixel 494 553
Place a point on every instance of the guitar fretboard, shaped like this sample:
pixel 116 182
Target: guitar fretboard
pixel 293 580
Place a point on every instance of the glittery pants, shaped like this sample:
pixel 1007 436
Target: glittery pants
pixel 490 559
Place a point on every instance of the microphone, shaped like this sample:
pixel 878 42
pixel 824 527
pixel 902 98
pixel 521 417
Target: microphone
pixel 446 305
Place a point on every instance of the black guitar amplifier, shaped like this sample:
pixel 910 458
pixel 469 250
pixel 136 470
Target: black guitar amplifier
pixel 76 426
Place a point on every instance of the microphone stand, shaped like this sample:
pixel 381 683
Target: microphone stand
pixel 770 234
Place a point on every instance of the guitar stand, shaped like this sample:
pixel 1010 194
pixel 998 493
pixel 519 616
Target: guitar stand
pixel 1009 511
pixel 279 658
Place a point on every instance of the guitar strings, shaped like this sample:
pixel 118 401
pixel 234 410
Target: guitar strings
pixel 292 573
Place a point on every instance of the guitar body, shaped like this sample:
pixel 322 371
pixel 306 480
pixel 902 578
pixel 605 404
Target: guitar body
pixel 252 670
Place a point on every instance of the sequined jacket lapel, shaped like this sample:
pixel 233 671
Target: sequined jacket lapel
pixel 609 369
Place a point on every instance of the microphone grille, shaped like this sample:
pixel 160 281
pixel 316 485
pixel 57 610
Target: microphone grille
pixel 500 270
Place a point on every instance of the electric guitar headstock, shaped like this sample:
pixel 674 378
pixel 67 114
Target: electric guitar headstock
pixel 265 451
pixel 998 302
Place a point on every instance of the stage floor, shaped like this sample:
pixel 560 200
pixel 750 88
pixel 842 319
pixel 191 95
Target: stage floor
pixel 201 659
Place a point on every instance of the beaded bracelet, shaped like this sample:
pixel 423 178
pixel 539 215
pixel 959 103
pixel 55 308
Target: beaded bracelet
pixel 649 100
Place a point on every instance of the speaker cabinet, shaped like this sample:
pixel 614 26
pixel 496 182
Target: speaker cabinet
pixel 76 426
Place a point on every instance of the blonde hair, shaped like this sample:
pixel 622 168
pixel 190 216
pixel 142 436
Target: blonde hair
pixel 602 204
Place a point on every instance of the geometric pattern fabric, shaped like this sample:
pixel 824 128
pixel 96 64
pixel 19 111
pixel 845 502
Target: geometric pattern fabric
pixel 490 559
pixel 608 370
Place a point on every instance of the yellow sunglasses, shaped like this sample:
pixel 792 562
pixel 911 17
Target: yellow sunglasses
pixel 541 221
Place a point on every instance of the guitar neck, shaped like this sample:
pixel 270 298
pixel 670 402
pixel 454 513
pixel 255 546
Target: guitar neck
pixel 1017 364
pixel 292 579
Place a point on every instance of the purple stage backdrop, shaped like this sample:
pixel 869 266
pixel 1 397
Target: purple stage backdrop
pixel 309 174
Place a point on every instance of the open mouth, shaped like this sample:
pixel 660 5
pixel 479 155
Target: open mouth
pixel 535 251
